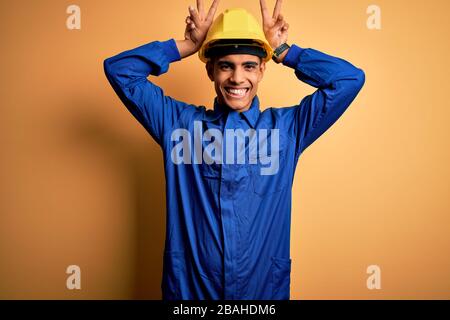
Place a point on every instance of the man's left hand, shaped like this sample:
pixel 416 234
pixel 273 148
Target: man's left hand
pixel 275 27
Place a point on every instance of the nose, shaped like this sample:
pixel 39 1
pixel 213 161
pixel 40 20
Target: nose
pixel 237 76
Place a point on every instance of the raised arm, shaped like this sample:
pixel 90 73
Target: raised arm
pixel 127 73
pixel 338 83
pixel 337 80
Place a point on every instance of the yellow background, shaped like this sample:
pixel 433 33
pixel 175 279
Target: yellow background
pixel 82 182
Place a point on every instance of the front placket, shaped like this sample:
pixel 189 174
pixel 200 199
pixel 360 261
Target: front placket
pixel 227 193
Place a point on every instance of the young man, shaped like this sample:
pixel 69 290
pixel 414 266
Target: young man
pixel 229 171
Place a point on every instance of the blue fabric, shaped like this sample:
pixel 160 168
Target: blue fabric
pixel 228 226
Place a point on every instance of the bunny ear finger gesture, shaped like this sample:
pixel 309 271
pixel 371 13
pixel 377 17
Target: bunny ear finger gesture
pixel 275 27
pixel 198 23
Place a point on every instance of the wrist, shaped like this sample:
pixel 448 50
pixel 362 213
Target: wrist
pixel 282 56
pixel 186 48
pixel 280 52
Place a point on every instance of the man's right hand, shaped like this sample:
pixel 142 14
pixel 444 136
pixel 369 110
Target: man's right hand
pixel 197 27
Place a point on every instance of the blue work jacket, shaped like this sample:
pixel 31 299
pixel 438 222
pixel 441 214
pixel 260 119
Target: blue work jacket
pixel 228 225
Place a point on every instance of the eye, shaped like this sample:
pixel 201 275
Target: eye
pixel 224 67
pixel 250 67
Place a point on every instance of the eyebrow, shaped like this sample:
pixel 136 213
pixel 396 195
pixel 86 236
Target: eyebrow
pixel 246 63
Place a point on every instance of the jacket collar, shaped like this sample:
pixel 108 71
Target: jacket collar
pixel 252 114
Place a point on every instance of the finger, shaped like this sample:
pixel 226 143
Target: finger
pixel 212 10
pixel 194 15
pixel 277 9
pixel 264 10
pixel 189 21
pixel 191 25
pixel 286 27
pixel 280 28
pixel 200 7
pixel 280 22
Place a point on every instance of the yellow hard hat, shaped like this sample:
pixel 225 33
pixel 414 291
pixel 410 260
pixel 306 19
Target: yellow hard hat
pixel 235 24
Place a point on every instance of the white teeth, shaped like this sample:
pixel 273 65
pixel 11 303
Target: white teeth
pixel 239 92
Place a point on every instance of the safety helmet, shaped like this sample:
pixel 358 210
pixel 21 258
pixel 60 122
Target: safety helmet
pixel 235 24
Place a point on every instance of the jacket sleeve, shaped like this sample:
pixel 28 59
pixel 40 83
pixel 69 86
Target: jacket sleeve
pixel 127 73
pixel 338 84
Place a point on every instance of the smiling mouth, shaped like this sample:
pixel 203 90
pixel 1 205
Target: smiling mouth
pixel 236 92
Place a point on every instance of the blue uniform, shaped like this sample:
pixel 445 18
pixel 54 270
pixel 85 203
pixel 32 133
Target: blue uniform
pixel 228 226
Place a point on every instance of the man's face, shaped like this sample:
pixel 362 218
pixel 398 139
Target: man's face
pixel 236 78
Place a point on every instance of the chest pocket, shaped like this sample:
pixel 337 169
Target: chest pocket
pixel 269 175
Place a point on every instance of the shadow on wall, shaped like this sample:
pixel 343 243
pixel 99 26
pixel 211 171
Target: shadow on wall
pixel 145 170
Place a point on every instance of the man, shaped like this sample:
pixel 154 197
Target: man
pixel 228 198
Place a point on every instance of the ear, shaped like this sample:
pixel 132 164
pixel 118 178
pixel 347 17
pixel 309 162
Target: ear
pixel 262 69
pixel 210 70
